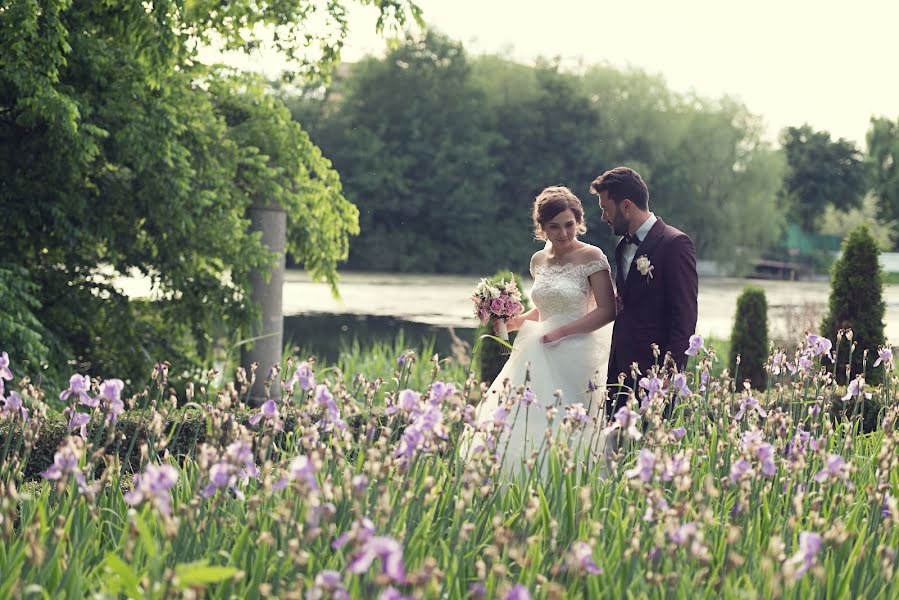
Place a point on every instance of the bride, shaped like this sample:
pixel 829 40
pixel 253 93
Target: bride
pixel 557 369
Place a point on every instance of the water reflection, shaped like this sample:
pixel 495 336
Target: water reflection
pixel 325 334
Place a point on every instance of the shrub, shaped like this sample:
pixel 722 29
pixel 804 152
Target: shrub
pixel 749 338
pixel 856 302
pixel 492 355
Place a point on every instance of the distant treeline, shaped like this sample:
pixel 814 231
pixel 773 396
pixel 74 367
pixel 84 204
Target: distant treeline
pixel 443 154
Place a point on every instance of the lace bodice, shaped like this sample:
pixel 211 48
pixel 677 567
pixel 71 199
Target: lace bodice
pixel 563 289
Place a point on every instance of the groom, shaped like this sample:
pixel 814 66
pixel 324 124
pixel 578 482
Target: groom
pixel 656 281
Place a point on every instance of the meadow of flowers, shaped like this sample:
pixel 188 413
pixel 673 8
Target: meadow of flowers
pixel 351 485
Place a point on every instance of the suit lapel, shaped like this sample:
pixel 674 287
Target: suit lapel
pixel 619 275
pixel 645 249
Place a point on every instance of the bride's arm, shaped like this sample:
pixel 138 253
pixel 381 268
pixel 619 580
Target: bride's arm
pixel 603 314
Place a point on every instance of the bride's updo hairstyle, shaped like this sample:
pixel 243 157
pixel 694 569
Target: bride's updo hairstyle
pixel 552 201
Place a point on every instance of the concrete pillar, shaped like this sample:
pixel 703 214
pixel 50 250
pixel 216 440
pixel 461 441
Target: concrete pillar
pixel 266 293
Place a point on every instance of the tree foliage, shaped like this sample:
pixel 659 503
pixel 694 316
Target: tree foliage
pixel 749 338
pixel 883 158
pixel 821 173
pixel 856 302
pixel 120 152
pixel 445 178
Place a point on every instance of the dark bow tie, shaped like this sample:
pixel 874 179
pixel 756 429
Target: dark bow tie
pixel 631 239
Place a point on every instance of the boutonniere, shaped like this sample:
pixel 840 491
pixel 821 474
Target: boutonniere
pixel 645 267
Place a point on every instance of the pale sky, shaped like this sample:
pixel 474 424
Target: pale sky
pixel 831 64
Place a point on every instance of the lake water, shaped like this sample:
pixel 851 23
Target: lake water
pixel 376 306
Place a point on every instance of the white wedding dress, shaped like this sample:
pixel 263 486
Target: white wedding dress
pixel 572 369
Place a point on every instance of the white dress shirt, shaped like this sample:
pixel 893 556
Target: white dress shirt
pixel 630 251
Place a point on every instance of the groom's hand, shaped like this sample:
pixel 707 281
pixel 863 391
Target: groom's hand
pixel 552 337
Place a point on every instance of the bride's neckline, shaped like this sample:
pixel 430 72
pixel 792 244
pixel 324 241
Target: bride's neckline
pixel 549 265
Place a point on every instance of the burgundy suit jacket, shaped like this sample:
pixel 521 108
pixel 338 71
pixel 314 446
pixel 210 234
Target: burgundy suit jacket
pixel 660 309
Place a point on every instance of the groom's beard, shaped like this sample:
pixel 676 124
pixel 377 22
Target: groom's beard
pixel 620 227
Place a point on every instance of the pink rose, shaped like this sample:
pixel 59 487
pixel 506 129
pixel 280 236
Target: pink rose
pixel 513 306
pixel 497 306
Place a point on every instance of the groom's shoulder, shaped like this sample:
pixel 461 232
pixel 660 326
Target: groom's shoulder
pixel 672 232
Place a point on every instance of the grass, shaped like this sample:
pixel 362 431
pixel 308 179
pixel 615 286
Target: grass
pixel 713 502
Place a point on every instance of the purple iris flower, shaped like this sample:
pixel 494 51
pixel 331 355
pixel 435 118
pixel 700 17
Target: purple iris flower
pixel 65 462
pixel 856 388
pixel 747 404
pixel 809 545
pixel 5 373
pixel 302 375
pixel 13 406
pixel 110 395
pixel 752 439
pixel 778 361
pixel 679 383
pixel 739 470
pixel 499 418
pixel 834 468
pixel 303 469
pixel 884 355
pixel 682 534
pixel 577 413
pixel 646 463
pixel 328 584
pixel 332 418
pixel 390 553
pixel 268 411
pixel 153 485
pixel 529 397
pixel 819 346
pixel 221 475
pixel 679 433
pixel 765 455
pixel 518 592
pixel 440 391
pixel 696 344
pixel 360 532
pixel 78 387
pixel 582 559
pixel 703 381
pixel 410 401
pixel 77 421
pixel 652 385
pixel 627 419
pixel 677 465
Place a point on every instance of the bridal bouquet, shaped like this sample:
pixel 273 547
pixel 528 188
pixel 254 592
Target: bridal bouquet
pixel 498 301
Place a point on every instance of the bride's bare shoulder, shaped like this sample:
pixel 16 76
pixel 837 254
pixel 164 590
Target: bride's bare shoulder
pixel 539 258
pixel 590 253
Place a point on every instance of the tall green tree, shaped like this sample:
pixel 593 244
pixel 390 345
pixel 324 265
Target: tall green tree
pixel 410 137
pixel 883 158
pixel 120 152
pixel 821 172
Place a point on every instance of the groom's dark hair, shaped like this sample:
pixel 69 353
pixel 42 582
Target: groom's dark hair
pixel 621 183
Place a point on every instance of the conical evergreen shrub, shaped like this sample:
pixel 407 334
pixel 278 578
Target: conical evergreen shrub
pixel 749 337
pixel 856 302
